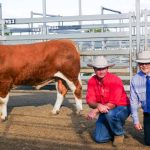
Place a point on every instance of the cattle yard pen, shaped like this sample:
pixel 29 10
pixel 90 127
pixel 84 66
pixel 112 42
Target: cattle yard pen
pixel 112 35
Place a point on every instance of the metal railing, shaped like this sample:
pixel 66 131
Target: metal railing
pixel 118 40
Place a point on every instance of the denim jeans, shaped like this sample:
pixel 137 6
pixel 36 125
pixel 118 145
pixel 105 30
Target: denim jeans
pixel 111 124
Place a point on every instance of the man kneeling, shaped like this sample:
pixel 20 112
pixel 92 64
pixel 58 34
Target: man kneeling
pixel 106 95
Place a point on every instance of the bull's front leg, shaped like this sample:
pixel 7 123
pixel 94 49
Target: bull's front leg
pixel 3 107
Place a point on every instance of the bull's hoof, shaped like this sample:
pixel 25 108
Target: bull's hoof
pixel 55 112
pixel 37 87
pixel 78 112
pixel 3 119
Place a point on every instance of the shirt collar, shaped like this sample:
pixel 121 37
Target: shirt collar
pixel 143 74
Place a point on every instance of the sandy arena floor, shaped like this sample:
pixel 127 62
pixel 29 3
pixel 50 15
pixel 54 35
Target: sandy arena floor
pixel 31 126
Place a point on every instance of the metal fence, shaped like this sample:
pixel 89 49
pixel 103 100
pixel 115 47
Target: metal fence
pixel 112 35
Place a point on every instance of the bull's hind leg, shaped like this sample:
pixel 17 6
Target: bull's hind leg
pixel 76 88
pixel 3 107
pixel 77 91
pixel 61 92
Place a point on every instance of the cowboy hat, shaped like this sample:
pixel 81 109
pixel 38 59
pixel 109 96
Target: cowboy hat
pixel 100 62
pixel 143 57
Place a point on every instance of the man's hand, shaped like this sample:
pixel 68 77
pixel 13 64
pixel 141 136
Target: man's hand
pixel 102 108
pixel 92 114
pixel 138 126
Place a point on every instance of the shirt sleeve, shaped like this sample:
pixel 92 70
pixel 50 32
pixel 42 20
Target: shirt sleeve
pixel 134 104
pixel 90 94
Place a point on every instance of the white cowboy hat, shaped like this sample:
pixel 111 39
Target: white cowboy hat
pixel 100 62
pixel 143 57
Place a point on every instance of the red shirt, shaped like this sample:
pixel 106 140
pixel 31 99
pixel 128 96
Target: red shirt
pixel 110 89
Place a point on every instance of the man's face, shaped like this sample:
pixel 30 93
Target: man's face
pixel 101 72
pixel 144 67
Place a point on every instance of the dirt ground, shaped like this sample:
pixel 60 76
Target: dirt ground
pixel 31 126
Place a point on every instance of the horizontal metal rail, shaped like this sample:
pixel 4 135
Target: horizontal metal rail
pixel 101 52
pixel 67 18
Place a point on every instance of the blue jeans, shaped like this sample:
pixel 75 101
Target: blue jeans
pixel 111 124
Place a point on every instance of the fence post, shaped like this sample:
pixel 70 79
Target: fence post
pixel 145 30
pixel 130 45
pixel 137 26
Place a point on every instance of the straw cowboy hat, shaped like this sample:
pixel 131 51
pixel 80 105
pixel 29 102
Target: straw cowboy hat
pixel 100 62
pixel 143 57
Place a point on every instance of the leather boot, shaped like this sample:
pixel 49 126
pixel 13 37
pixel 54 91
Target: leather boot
pixel 118 140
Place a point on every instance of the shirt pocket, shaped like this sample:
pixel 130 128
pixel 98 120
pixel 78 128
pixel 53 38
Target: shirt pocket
pixel 106 93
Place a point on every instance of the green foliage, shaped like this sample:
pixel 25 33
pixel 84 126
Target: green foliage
pixel 95 30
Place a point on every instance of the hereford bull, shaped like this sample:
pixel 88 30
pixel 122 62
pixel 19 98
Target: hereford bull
pixel 38 64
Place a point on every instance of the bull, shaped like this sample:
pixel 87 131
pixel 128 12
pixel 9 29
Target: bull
pixel 38 64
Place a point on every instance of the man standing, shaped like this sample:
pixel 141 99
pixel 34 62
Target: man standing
pixel 106 95
pixel 140 94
